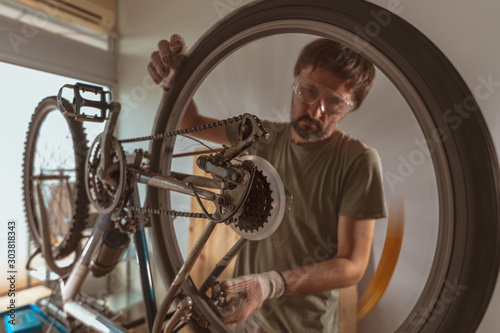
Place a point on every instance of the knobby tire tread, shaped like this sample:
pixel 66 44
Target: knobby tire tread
pixel 79 219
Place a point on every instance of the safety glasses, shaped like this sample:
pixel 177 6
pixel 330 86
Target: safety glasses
pixel 310 92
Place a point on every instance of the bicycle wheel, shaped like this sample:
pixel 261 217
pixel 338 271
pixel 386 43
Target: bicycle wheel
pixel 54 177
pixel 465 163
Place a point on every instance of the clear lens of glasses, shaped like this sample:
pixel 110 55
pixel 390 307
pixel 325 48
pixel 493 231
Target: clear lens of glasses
pixel 331 103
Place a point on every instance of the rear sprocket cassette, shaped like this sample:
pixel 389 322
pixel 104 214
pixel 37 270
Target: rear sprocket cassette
pixel 258 206
pixel 266 204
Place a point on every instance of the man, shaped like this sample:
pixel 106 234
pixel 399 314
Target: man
pixel 289 281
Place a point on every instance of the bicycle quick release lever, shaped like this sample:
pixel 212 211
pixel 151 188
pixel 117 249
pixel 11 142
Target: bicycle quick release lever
pixel 79 102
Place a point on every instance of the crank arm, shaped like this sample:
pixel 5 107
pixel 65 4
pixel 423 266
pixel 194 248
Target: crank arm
pixel 105 168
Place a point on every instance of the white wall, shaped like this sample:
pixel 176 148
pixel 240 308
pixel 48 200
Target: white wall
pixel 142 25
pixel 465 31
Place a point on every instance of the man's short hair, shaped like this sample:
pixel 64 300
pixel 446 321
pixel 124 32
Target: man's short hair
pixel 343 62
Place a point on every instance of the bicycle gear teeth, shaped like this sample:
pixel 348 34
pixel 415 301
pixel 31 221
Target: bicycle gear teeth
pixel 105 196
pixel 258 206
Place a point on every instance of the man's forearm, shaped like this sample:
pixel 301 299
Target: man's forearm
pixel 331 274
pixel 355 236
pixel 192 119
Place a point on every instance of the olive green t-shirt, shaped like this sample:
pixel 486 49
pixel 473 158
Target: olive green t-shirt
pixel 341 176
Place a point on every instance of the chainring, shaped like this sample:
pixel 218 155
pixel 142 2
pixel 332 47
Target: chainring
pixel 105 197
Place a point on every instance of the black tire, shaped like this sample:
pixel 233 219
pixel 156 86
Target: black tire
pixel 465 164
pixel 66 151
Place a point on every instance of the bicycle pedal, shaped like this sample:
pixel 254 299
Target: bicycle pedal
pixel 79 102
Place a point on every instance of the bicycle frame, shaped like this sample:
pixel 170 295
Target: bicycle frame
pixel 176 182
pixel 82 267
pixel 77 276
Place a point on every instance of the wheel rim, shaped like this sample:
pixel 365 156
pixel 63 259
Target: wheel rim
pixel 53 150
pixel 447 159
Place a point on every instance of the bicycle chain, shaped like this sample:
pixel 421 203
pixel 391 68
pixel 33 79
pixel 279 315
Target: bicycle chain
pixel 158 136
pixel 173 213
pixel 199 128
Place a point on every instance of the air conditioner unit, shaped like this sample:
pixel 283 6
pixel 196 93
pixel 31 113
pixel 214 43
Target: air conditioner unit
pixel 97 15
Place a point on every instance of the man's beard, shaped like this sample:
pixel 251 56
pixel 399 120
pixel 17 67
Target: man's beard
pixel 311 129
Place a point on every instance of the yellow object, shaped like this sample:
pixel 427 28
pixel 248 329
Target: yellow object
pixel 388 260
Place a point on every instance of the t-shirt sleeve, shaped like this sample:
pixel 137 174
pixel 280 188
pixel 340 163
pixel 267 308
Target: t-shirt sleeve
pixel 363 193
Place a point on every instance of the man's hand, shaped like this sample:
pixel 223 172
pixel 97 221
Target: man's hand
pixel 166 60
pixel 248 293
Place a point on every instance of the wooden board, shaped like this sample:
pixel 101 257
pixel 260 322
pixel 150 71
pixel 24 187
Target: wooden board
pixel 222 239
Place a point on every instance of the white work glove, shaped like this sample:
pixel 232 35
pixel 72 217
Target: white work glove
pixel 166 60
pixel 248 293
